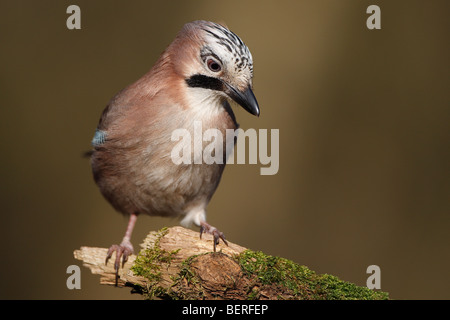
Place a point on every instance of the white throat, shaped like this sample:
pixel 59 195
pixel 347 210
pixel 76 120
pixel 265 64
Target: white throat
pixel 205 103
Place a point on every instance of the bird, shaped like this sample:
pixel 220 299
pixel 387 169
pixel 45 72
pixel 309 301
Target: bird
pixel 204 69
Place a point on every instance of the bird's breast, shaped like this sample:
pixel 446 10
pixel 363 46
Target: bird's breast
pixel 163 164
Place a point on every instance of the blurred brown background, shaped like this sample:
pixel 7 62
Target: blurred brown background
pixel 364 137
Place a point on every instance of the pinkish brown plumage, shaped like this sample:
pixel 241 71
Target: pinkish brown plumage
pixel 192 81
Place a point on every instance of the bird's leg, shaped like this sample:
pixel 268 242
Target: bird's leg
pixel 207 228
pixel 125 249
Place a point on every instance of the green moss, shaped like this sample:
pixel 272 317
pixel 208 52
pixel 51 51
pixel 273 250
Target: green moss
pixel 301 282
pixel 148 264
pixel 265 277
pixel 253 294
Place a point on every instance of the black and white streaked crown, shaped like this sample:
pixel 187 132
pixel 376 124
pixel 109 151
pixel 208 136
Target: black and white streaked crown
pixel 230 44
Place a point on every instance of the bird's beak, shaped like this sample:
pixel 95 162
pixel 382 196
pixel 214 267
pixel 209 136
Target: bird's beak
pixel 245 99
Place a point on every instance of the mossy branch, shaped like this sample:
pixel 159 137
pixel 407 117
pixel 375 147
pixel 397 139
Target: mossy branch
pixel 175 264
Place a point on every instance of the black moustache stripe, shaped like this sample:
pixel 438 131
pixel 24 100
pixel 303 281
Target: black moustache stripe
pixel 202 81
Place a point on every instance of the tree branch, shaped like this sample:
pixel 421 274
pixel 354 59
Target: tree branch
pixel 175 263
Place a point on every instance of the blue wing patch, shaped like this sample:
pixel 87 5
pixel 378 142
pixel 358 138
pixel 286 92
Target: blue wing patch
pixel 99 138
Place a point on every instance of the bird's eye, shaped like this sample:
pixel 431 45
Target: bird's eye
pixel 213 65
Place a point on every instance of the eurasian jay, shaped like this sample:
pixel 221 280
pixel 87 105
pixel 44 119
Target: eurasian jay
pixel 194 79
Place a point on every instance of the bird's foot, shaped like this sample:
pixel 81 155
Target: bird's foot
pixel 207 228
pixel 124 250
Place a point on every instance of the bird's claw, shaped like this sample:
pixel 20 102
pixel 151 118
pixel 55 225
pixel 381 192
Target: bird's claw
pixel 124 250
pixel 206 228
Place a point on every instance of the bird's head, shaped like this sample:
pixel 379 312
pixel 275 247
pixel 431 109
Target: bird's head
pixel 210 57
